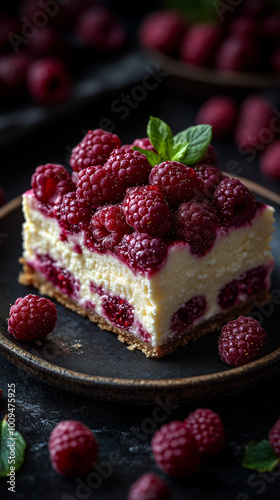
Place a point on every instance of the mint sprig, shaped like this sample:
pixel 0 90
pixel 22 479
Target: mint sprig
pixel 187 147
pixel 12 449
pixel 260 456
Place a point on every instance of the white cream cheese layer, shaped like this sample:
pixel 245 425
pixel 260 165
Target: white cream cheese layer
pixel 153 299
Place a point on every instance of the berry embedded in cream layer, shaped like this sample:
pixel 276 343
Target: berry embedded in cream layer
pixel 160 262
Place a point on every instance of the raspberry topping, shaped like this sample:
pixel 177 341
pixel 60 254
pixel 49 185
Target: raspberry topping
pixel 94 149
pixel 208 430
pixel 48 80
pixel 50 182
pixel 129 167
pixel 97 187
pixel 144 143
pixel 234 203
pixel 145 253
pixel 196 223
pixel 72 213
pixel 211 177
pixel 32 317
pixel 175 450
pixel 188 313
pixel 109 225
pixel 274 437
pixel 177 182
pixel 241 341
pixel 149 486
pixel 147 211
pixel 73 448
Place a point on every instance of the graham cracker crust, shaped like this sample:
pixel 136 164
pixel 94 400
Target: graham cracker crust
pixel 29 277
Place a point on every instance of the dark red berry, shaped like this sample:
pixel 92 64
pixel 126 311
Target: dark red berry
pixel 130 168
pixel 221 113
pixel 144 143
pixel 244 26
pixel 188 313
pixel 48 80
pixel 242 340
pixel 73 448
pixel 210 157
pixel 274 437
pixel 72 213
pixel 13 71
pixel 234 203
pixel 117 310
pixel 270 161
pixel 211 177
pixel 147 211
pixel 176 181
pixel 96 187
pixel 145 253
pixel 32 317
pixel 236 53
pixel 199 43
pixel 162 30
pixel 208 430
pixel 47 41
pixel 109 226
pixel 50 182
pixel 197 224
pixel 3 197
pixel 175 450
pixel 94 149
pixel 253 129
pixel 149 486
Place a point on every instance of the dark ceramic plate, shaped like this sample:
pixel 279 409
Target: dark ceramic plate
pixel 79 357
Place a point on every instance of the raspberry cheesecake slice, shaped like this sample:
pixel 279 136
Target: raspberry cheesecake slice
pixel 157 250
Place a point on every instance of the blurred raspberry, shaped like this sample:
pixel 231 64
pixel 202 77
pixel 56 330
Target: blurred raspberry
pixel 236 53
pixel 9 25
pixel 32 317
pixel 162 30
pixel 144 143
pixel 3 197
pixel 255 8
pixel 199 43
pixel 271 27
pixel 221 113
pixel 253 128
pixel 244 26
pixel 48 81
pixel 274 60
pixel 270 161
pixel 208 430
pixel 210 157
pixel 13 71
pixel 149 486
pixel 94 149
pixel 47 41
pixel 234 203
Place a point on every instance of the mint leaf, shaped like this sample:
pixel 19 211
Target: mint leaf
pixel 260 456
pixel 199 138
pixel 152 157
pixel 12 448
pixel 161 137
pixel 179 152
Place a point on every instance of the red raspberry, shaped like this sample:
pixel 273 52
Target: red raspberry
pixel 100 29
pixel 275 60
pixel 9 24
pixel 199 43
pixel 47 41
pixel 162 30
pixel 129 167
pixel 94 149
pixel 72 213
pixel 234 203
pixel 96 187
pixel 197 224
pixel 13 70
pixel 244 26
pixel 176 181
pixel 109 226
pixel 210 157
pixel 145 253
pixel 208 430
pixel 221 113
pixel 211 177
pixel 147 211
pixel 32 317
pixel 144 143
pixel 48 80
pixel 242 340
pixel 271 27
pixel 149 486
pixel 253 129
pixel 50 182
pixel 175 450
pixel 73 448
pixel 236 53
pixel 269 161
pixel 3 197
pixel 274 437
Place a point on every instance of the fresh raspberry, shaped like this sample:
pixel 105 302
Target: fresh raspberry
pixel 196 223
pixel 94 149
pixel 50 182
pixel 73 448
pixel 188 313
pixel 199 43
pixel 176 181
pixel 175 450
pixel 48 80
pixel 244 26
pixel 144 143
pixel 145 253
pixel 109 226
pixel 234 203
pixel 72 213
pixel 208 430
pixel 129 167
pixel 211 177
pixel 147 211
pixel 236 53
pixel 47 41
pixel 269 161
pixel 96 187
pixel 149 486
pixel 253 129
pixel 101 29
pixel 274 437
pixel 220 112
pixel 32 317
pixel 210 157
pixel 162 30
pixel 242 340
pixel 13 70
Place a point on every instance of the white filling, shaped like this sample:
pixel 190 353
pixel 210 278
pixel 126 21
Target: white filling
pixel 154 299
